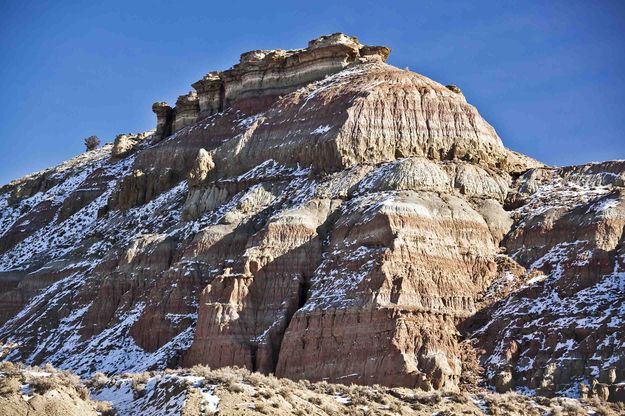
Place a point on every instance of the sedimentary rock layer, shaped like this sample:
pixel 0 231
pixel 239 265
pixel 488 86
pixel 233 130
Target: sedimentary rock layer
pixel 319 214
pixel 564 326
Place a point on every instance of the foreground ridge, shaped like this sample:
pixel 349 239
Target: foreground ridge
pixel 319 214
pixel 228 391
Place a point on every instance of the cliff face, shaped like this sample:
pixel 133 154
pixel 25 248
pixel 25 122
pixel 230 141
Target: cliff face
pixel 318 214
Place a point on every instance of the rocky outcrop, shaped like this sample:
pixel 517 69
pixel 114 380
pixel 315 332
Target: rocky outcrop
pixel 203 165
pixel 211 93
pixel 125 144
pixel 319 214
pixel 565 325
pixel 344 123
pixel 351 108
pixel 186 111
pixel 164 120
pixel 383 294
pixel 262 76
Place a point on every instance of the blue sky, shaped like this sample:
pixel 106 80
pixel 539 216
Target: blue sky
pixel 548 75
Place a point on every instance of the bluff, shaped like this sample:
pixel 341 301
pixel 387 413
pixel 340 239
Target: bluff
pixel 319 214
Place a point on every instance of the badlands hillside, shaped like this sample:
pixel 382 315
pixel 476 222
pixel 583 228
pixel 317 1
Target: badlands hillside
pixel 320 215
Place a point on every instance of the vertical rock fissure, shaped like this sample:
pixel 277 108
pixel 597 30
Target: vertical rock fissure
pixel 303 293
pixel 254 355
pixel 323 231
pixel 301 300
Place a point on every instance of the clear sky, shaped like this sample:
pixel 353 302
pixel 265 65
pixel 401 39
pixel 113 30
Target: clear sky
pixel 548 75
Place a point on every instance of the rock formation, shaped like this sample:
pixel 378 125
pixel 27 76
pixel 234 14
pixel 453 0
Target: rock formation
pixel 319 214
pixel 564 324
pixel 164 120
pixel 186 111
pixel 263 76
pixel 125 144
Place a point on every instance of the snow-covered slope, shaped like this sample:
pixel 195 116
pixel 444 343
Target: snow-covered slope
pixel 565 325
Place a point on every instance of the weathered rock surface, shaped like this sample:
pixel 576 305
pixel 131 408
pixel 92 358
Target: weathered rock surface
pixel 164 120
pixel 125 144
pixel 564 326
pixel 262 76
pixel 186 111
pixel 319 214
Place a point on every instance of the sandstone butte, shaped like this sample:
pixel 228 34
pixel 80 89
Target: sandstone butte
pixel 319 214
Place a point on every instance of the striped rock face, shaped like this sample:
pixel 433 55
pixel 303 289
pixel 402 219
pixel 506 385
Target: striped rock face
pixel 563 327
pixel 339 219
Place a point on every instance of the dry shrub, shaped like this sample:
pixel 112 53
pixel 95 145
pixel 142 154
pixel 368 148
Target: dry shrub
pixel 601 410
pixel 266 393
pixel 380 398
pixel 255 379
pixel 332 389
pixel 573 409
pixel 315 400
pixel 9 385
pixel 305 384
pixel 104 408
pixel 226 375
pixel 458 397
pixel 428 398
pixel 510 403
pixel 41 385
pixel 328 409
pixel 10 369
pixel 319 387
pixel 262 408
pixel 606 409
pixel 98 381
pixel 139 380
pixel 272 381
pixel 285 392
pixel 288 383
pixel 358 400
pixel 83 392
pixel 235 388
pixel 240 371
pixel 201 371
pixel 68 379
pixel 542 400
pixel 47 367
pixel 395 408
pixel 138 390
pixel 91 142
